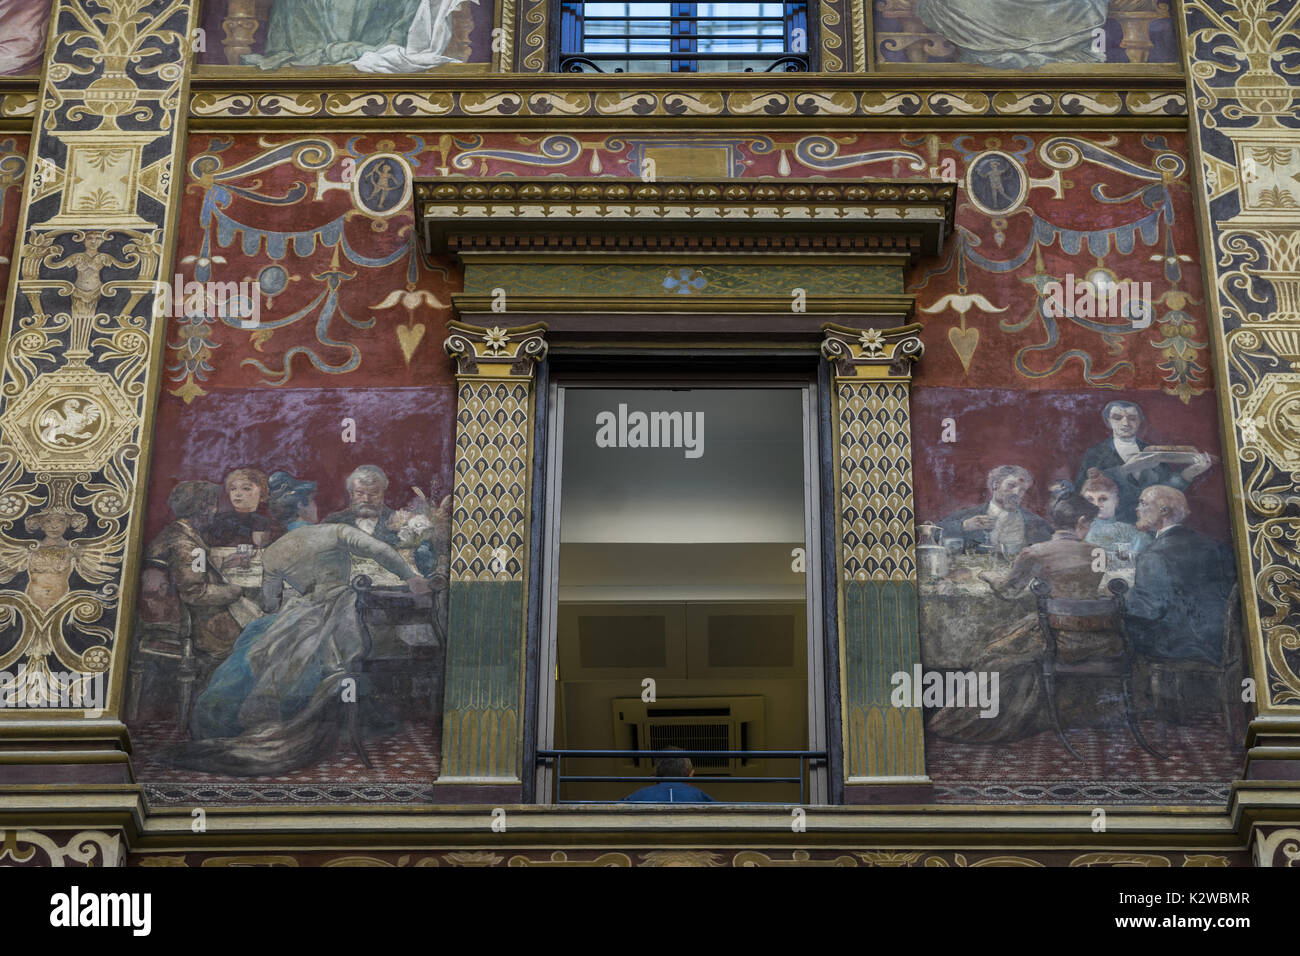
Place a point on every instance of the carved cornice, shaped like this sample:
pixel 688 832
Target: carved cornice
pixel 606 213
pixel 495 352
pixel 873 353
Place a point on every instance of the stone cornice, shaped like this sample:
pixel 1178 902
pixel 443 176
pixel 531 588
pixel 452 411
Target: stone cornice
pixel 629 215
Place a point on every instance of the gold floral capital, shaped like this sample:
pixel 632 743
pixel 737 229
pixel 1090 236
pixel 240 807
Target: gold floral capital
pixel 496 352
pixel 872 353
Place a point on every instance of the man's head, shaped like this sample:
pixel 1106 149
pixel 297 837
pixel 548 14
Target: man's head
pixel 1124 419
pixel 1008 485
pixel 673 766
pixel 1159 507
pixel 196 500
pixel 366 487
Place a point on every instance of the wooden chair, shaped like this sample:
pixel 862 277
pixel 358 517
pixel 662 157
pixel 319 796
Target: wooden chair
pixel 1094 614
pixel 1226 674
pixel 379 606
pixel 166 644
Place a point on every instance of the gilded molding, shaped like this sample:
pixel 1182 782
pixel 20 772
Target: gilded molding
pixel 18 106
pixel 495 98
pixel 630 215
pixel 533 54
pixel 834 26
pixel 81 357
pixel 1245 56
pixel 64 848
pixel 1278 847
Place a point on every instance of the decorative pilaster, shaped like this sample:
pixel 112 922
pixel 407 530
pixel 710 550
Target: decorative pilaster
pixel 1246 140
pixel 82 346
pixel 483 712
pixel 883 744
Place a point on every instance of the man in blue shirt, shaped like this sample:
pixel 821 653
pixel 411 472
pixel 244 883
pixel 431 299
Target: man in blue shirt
pixel 671 791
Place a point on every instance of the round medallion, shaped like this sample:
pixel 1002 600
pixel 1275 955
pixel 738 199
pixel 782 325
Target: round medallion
pixel 381 185
pixel 69 422
pixel 1285 422
pixel 996 183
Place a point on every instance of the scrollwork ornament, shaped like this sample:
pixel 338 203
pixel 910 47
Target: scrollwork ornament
pixel 94 241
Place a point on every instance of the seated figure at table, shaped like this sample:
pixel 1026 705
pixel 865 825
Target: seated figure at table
pixel 1177 605
pixel 279 705
pixel 1001 522
pixel 1107 532
pixel 1015 651
pixel 170 581
pixel 246 489
pixel 367 486
pixel 1125 420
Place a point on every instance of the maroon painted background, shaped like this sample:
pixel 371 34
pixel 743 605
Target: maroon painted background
pixel 405 431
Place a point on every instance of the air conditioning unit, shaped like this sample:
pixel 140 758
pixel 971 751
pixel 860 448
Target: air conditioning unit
pixel 692 723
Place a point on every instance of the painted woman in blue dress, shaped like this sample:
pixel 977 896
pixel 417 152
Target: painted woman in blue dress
pixel 276 703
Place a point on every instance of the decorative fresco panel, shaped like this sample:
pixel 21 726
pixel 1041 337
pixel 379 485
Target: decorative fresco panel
pixel 1011 35
pixel 334 314
pixel 1167 725
pixel 374 36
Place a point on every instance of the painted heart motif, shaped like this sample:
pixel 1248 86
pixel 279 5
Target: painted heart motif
pixel 963 343
pixel 408 337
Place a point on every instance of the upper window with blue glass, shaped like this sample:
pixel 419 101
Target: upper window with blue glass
pixel 646 36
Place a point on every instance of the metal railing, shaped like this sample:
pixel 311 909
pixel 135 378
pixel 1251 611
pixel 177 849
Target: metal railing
pixel 735 33
pixel 806 760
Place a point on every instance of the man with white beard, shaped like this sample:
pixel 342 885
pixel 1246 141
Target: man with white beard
pixel 366 488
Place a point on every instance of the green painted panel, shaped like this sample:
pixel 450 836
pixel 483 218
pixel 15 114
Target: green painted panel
pixel 682 278
pixel 880 639
pixel 481 723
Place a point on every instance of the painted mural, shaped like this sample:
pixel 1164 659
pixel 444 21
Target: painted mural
pixel 373 36
pixel 13 167
pixel 23 30
pixel 1063 433
pixel 1012 35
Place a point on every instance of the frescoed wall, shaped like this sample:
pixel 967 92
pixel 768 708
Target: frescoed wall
pixel 375 36
pixel 23 30
pixel 333 409
pixel 1006 34
pixel 348 334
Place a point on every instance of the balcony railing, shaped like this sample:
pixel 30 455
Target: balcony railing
pixel 806 759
